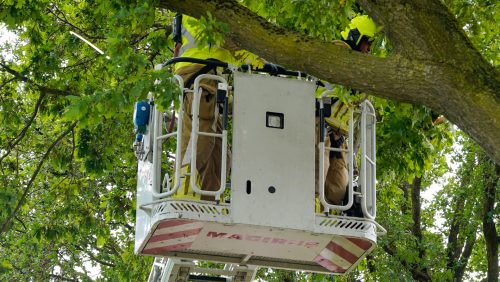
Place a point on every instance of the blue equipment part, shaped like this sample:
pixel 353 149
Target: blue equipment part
pixel 141 116
pixel 138 137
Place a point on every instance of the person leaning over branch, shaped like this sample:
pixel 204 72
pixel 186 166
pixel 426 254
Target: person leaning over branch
pixel 187 35
pixel 357 36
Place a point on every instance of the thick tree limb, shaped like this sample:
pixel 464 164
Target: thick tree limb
pixel 434 63
pixel 6 222
pixel 464 258
pixel 411 192
pixel 404 206
pixel 459 249
pixel 489 227
pixel 416 208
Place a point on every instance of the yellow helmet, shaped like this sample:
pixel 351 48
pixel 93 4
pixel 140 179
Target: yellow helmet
pixel 360 26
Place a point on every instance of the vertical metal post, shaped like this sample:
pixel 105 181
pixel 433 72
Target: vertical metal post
pixel 363 172
pixel 178 148
pixel 372 159
pixel 368 192
pixel 157 150
pixel 351 160
pixel 321 154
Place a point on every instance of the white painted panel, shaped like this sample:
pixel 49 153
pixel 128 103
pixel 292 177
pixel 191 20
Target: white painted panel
pixel 281 158
pixel 144 195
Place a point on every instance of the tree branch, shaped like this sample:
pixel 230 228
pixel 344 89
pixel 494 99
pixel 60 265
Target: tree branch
pixel 404 205
pixel 21 135
pixel 7 221
pixel 417 225
pixel 63 278
pixel 7 82
pixel 113 247
pixel 67 22
pixel 94 258
pixel 453 248
pixel 416 207
pixel 81 62
pixel 140 37
pixel 416 273
pixel 41 88
pixel 22 223
pixel 123 224
pixel 492 179
pixel 464 258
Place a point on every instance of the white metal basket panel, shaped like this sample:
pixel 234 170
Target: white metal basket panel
pixel 211 212
pixel 346 226
pixel 273 151
pixel 199 210
pixel 144 196
pixel 204 230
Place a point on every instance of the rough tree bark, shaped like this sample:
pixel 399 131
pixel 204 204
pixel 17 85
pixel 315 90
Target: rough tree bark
pixel 462 236
pixel 416 207
pixel 489 228
pixel 417 269
pixel 459 272
pixel 433 62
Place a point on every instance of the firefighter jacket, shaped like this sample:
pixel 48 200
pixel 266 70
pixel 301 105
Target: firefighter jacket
pixel 190 48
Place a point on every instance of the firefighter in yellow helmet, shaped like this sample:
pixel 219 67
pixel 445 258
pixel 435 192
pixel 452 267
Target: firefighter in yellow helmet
pixel 357 36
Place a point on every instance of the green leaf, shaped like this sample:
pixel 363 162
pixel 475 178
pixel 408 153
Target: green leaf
pixel 101 240
pixel 5 266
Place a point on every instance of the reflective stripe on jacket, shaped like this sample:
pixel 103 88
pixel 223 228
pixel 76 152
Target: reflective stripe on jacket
pixel 340 111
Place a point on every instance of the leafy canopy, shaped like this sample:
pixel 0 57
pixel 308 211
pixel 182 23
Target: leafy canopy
pixel 66 164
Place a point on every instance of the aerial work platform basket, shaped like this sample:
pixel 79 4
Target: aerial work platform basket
pixel 267 215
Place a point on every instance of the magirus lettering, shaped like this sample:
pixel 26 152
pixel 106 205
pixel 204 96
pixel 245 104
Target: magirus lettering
pixel 262 239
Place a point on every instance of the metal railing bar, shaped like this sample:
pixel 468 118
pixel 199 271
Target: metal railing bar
pixel 210 134
pixel 166 135
pixel 370 160
pixel 336 149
